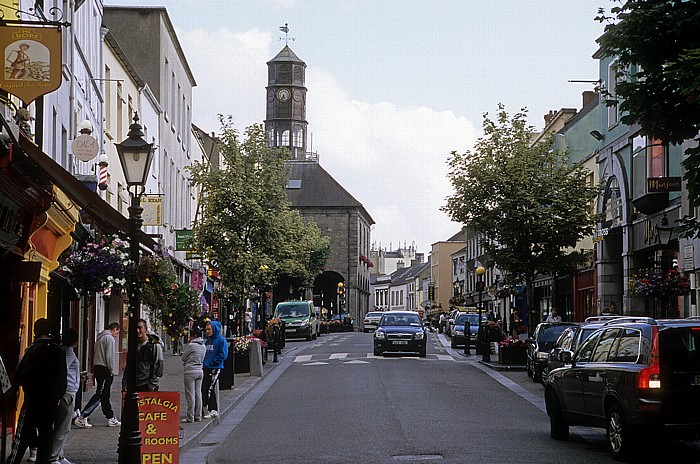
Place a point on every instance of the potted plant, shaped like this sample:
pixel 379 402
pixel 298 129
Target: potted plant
pixel 99 265
pixel 512 351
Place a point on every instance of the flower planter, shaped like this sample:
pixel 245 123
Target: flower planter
pixel 241 362
pixel 512 355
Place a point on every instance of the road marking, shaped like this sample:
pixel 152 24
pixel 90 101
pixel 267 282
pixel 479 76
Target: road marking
pixel 356 361
pixel 303 358
pixel 444 357
pixel 317 363
pixel 338 356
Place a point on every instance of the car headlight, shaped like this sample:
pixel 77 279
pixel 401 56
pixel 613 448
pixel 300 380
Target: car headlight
pixel 379 334
pixel 418 336
pixel 542 356
pixel 305 322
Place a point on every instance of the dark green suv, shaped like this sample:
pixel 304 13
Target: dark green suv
pixel 636 377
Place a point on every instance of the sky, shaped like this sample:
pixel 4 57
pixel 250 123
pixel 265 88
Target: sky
pixel 394 86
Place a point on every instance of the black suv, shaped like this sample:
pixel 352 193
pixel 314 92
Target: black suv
pixel 635 377
pixel 541 343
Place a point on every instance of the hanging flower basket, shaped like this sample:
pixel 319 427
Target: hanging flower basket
pixel 99 265
pixel 658 285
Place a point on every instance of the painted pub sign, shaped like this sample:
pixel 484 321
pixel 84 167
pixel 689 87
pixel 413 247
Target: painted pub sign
pixel 32 58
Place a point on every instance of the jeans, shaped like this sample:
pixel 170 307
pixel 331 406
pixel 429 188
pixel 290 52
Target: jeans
pixel 36 424
pixel 103 379
pixel 210 389
pixel 64 414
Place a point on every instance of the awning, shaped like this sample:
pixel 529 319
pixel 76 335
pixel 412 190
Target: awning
pixel 109 219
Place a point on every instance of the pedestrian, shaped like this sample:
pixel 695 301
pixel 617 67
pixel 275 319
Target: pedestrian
pixel 104 367
pixel 516 323
pixel 442 322
pixel 149 360
pixel 553 315
pixel 43 375
pixel 65 408
pixel 612 309
pixel 217 352
pixel 248 321
pixel 192 359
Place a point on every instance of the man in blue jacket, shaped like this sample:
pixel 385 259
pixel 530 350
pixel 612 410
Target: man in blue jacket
pixel 217 352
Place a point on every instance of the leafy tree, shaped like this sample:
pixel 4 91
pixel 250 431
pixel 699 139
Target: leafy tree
pixel 657 46
pixel 527 201
pixel 245 223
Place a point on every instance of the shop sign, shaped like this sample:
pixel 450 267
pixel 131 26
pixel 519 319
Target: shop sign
pixel 183 240
pixel 159 424
pixel 85 147
pixel 663 184
pixel 32 58
pixel 152 210
pixel 688 258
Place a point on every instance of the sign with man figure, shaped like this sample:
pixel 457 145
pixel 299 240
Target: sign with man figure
pixel 32 61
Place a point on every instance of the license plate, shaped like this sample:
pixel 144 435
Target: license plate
pixel 401 342
pixel 695 379
pixel 289 330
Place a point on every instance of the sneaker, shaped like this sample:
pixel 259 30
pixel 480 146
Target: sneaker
pixel 82 422
pixel 63 460
pixel 211 414
pixel 113 422
pixel 32 455
pixel 186 421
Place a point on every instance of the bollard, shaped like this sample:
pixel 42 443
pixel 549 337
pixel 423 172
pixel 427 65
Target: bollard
pixel 467 337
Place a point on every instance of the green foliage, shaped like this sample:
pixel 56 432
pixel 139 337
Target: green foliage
pixel 246 223
pixel 657 46
pixel 528 201
pixel 172 304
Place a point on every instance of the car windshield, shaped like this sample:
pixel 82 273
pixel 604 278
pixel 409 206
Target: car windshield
pixel 393 320
pixel 374 315
pixel 473 319
pixel 551 334
pixel 299 310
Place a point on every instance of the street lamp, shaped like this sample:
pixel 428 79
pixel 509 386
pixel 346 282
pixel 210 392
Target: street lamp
pixel 135 155
pixel 664 231
pixel 485 350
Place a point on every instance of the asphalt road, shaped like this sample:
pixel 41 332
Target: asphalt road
pixel 336 403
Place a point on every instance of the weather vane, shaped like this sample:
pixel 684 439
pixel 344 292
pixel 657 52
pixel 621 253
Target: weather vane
pixel 286 37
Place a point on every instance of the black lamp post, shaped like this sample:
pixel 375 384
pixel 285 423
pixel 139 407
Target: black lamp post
pixel 135 155
pixel 485 349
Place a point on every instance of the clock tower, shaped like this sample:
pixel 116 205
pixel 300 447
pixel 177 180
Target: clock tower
pixel 285 120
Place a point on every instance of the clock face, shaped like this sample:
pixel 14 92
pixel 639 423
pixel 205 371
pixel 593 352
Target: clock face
pixel 283 95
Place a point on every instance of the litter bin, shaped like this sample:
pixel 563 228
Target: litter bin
pixel 226 374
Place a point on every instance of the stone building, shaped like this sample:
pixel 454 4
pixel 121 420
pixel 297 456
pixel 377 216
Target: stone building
pixel 317 195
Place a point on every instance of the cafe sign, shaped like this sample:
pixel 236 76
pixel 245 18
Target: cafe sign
pixel 32 58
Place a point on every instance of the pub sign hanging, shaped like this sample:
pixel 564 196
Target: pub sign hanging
pixel 32 57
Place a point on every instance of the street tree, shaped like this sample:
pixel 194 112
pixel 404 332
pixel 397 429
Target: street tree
pixel 657 48
pixel 528 202
pixel 245 224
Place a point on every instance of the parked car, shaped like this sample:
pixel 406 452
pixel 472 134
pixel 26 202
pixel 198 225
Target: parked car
pixel 638 378
pixel 299 319
pixel 371 320
pixel 452 317
pixel 400 331
pixel 541 343
pixel 458 331
pixel 571 338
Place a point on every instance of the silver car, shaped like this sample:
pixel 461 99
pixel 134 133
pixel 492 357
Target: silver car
pixel 371 321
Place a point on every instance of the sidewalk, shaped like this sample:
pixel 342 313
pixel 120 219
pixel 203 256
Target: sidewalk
pixel 98 444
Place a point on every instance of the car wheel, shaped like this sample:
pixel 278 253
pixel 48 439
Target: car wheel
pixel 377 352
pixel 536 376
pixel 558 428
pixel 452 343
pixel 620 439
pixel 365 330
pixel 529 369
pixel 545 374
pixel 309 336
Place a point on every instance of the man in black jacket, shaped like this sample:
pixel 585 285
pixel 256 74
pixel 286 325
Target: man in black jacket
pixel 42 373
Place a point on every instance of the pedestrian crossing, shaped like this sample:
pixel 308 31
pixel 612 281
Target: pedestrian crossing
pixel 361 358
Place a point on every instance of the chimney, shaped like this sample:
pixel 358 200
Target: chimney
pixel 549 116
pixel 588 97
